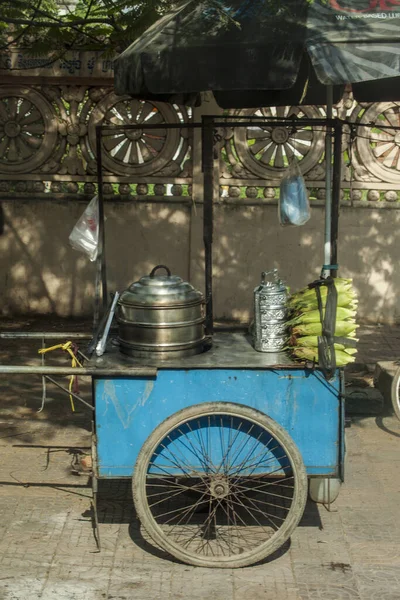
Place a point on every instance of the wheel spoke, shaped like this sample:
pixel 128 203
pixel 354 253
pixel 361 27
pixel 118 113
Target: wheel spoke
pixel 32 117
pixel 242 447
pixel 110 143
pixel 206 458
pixel 279 157
pixel 193 450
pixel 12 108
pixel 260 145
pixel 240 503
pixel 153 142
pixel 268 154
pixel 259 490
pixel 265 450
pixel 185 509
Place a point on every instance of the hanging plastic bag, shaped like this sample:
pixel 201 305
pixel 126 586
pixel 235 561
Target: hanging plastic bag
pixel 85 235
pixel 293 207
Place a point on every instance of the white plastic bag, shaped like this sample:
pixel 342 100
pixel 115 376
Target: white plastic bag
pixel 294 207
pixel 85 235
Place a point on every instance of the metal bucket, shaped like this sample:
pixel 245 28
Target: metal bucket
pixel 161 316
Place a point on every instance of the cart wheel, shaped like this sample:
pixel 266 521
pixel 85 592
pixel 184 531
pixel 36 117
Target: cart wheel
pixel 395 393
pixel 219 485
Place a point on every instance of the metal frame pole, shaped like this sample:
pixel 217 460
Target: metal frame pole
pixel 101 279
pixel 337 176
pixel 208 171
pixel 328 182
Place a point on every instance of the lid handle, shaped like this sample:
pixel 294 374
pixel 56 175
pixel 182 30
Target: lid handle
pixel 274 273
pixel 160 267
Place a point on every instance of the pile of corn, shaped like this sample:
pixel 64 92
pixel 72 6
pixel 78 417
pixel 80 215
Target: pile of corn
pixel 305 322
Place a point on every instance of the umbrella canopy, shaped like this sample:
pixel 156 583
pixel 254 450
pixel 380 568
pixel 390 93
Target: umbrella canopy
pixel 266 52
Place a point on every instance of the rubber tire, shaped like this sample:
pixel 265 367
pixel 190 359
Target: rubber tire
pixel 394 393
pixel 238 410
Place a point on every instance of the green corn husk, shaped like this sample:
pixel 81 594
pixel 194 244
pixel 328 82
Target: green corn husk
pixel 342 358
pixel 344 299
pixel 311 341
pixel 313 316
pixel 343 329
pixel 342 285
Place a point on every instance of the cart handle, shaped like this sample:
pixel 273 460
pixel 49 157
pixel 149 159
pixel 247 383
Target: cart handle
pixel 160 267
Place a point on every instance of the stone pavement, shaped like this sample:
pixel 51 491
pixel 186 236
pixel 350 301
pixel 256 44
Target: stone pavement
pixel 47 548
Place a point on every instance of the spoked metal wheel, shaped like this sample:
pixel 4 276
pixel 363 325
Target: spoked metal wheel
pixel 395 393
pixel 219 485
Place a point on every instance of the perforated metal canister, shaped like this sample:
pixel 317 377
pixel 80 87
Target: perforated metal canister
pixel 270 313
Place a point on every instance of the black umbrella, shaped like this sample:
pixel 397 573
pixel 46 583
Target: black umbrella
pixel 266 52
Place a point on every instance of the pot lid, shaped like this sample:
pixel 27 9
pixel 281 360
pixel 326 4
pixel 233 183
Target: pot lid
pixel 160 290
pixel 271 283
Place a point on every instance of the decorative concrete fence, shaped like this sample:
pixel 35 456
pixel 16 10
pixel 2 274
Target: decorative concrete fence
pixel 153 192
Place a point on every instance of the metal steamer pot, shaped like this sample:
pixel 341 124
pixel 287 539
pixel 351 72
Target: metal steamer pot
pixel 161 316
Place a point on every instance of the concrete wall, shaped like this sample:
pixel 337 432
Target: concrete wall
pixel 41 273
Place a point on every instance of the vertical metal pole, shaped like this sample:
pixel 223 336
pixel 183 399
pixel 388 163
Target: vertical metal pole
pixel 328 181
pixel 337 177
pixel 208 172
pixel 43 378
pixel 101 280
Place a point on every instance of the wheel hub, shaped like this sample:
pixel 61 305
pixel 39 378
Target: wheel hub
pixel 219 487
pixel 12 129
pixel 280 135
pixel 134 134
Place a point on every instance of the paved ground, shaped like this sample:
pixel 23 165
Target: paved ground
pixel 47 549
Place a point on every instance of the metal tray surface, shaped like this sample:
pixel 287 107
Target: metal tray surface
pixel 229 350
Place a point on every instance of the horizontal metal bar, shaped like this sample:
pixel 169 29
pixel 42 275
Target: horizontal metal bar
pixel 109 129
pixel 48 335
pixel 85 371
pixel 50 446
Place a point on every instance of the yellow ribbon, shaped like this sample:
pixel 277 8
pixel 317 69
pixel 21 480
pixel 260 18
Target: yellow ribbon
pixel 67 347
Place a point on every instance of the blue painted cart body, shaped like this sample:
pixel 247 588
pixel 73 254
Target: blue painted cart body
pixel 308 407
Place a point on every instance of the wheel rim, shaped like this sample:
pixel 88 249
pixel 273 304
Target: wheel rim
pixel 220 487
pixel 396 393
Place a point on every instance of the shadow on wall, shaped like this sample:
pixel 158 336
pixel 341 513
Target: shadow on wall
pixel 249 240
pixel 41 273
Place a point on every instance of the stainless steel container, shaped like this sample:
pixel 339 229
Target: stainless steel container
pixel 161 316
pixel 270 313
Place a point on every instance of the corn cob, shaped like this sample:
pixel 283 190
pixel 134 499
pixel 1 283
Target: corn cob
pixel 313 316
pixel 305 324
pixel 346 299
pixel 343 329
pixel 342 357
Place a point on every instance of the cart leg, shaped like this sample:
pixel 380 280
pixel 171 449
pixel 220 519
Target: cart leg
pixel 95 488
pixel 95 515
